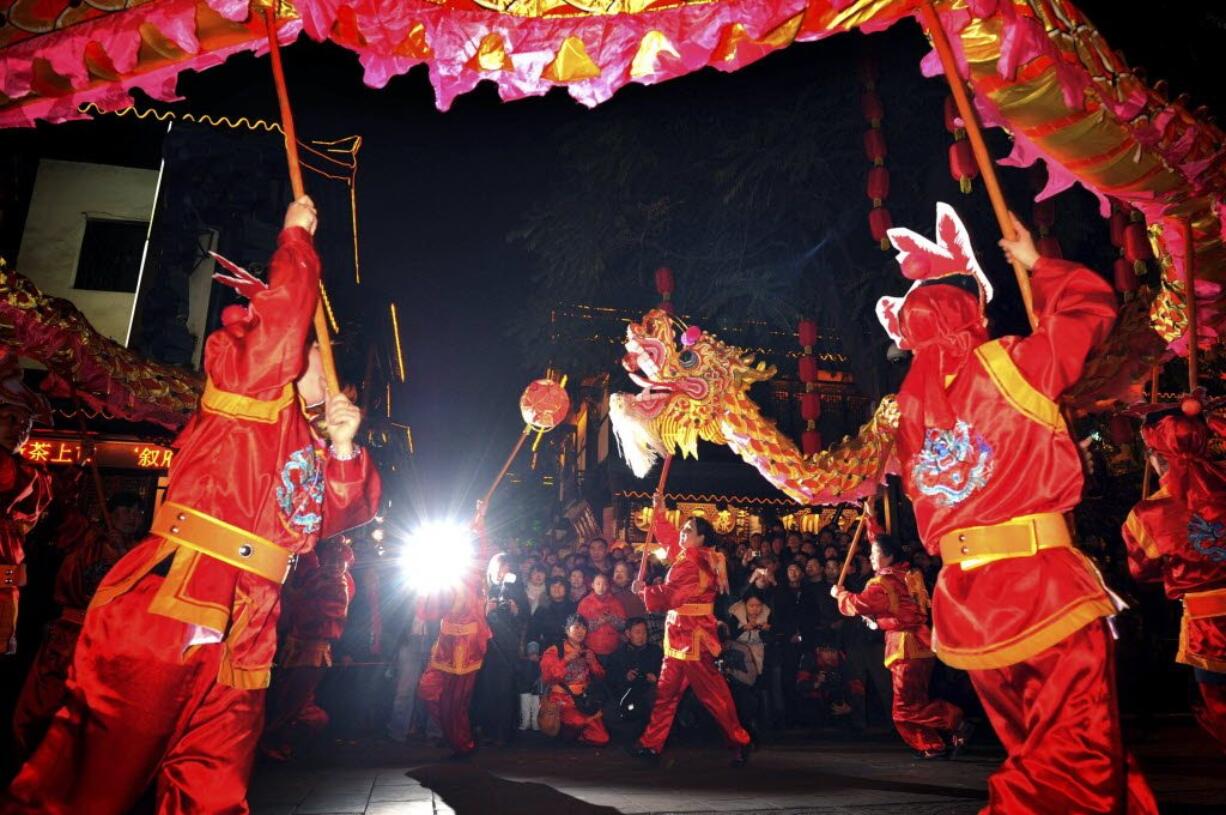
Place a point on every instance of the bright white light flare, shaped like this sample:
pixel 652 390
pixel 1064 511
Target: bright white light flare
pixel 437 555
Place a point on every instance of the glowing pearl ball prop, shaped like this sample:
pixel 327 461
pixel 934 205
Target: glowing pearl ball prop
pixel 544 405
pixel 438 555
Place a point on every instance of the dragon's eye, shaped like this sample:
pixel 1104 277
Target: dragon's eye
pixel 688 359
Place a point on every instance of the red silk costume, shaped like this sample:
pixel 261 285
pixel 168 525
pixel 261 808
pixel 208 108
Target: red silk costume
pixel 91 556
pixel 317 612
pixel 691 642
pixel 890 603
pixel 167 686
pixel 576 673
pixel 447 685
pixel 605 620
pixel 990 468
pixel 1178 537
pixel 25 491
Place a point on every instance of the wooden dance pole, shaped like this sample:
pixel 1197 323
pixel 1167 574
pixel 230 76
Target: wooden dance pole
pixel 668 464
pixel 299 189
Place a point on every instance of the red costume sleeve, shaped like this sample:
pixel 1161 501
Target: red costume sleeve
pixel 1144 556
pixel 675 588
pixel 352 494
pixel 871 602
pixel 668 536
pixel 271 349
pixel 553 668
pixel 1075 309
pixel 25 490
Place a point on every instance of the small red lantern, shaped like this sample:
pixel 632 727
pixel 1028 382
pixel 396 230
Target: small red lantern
pixel 953 119
pixel 870 104
pixel 1136 246
pixel 874 146
pixel 1124 276
pixel 1119 220
pixel 878 187
pixel 962 164
pixel 810 406
pixel 664 282
pixel 544 404
pixel 807 368
pixel 878 222
pixel 811 442
pixel 807 329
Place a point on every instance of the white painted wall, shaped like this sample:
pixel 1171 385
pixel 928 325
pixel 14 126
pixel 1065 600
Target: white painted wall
pixel 65 194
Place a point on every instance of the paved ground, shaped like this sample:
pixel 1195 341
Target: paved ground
pixel 789 776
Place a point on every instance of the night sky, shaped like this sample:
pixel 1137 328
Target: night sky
pixel 439 194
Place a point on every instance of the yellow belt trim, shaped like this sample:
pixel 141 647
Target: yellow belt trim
pixel 695 609
pixel 1022 536
pixel 1013 386
pixel 457 629
pixel 239 406
pixel 1201 604
pixel 221 541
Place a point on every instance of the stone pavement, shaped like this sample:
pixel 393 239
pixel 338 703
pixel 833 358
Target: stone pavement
pixel 789 776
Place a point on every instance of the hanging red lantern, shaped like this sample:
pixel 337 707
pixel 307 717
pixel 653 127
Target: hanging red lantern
pixel 962 164
pixel 1049 246
pixel 870 104
pixel 878 184
pixel 874 146
pixel 1136 246
pixel 808 369
pixel 811 442
pixel 664 282
pixel 807 329
pixel 953 119
pixel 810 406
pixel 878 222
pixel 1124 276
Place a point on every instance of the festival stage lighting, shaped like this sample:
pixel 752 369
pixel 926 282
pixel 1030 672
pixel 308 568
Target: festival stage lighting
pixel 437 555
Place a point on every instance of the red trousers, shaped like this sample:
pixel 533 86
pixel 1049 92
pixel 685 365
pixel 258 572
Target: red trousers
pixel 447 697
pixel 921 721
pixel 591 729
pixel 1057 718
pixel 291 705
pixel 1212 717
pixel 142 709
pixel 710 688
pixel 43 691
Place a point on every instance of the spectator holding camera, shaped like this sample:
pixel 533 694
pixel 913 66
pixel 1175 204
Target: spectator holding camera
pixel 569 670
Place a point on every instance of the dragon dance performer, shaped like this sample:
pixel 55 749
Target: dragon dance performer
pixel 447 685
pixel 896 601
pixel 167 685
pixel 691 642
pixel 1178 537
pixel 92 552
pixel 317 612
pixel 25 489
pixel 990 468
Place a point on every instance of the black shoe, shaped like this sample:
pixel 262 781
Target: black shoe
pixel 740 756
pixel 462 755
pixel 961 738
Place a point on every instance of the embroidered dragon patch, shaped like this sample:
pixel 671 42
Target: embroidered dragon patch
pixel 301 492
pixel 953 464
pixel 1208 538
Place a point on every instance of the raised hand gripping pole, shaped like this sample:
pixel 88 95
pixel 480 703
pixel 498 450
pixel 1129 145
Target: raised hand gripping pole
pixel 299 189
pixel 668 464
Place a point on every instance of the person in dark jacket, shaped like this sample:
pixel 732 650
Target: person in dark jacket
pixel 633 671
pixel 549 620
pixel 794 621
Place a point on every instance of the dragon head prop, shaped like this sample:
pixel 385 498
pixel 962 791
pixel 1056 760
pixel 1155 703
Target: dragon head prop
pixel 689 381
pixel 693 386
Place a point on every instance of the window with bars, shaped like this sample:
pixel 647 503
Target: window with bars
pixel 110 255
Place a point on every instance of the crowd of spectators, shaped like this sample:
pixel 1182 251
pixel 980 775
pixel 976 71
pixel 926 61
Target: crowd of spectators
pixel 791 660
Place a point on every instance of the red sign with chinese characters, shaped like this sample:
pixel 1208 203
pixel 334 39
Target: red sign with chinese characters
pixel 128 455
